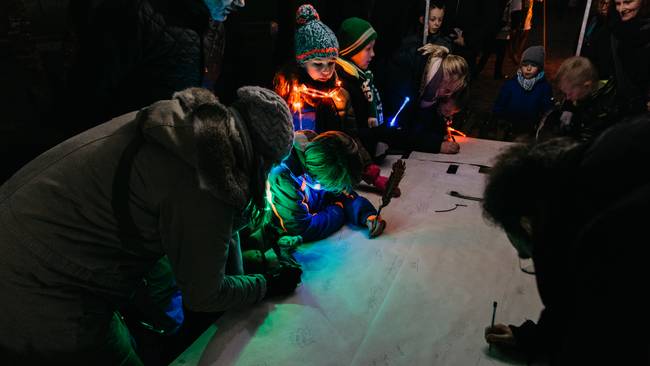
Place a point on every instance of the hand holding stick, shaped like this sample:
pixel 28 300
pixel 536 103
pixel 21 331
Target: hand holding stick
pixel 396 175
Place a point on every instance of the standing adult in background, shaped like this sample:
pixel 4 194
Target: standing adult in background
pixel 597 45
pixel 83 223
pixel 630 42
pixel 407 66
pixel 578 211
pixel 133 53
pixel 497 40
pixel 521 20
pixel 476 19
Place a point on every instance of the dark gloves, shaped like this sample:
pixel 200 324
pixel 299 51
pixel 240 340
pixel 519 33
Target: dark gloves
pixel 290 242
pixel 282 281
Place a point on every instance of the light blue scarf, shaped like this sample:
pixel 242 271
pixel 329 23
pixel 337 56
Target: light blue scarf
pixel 528 84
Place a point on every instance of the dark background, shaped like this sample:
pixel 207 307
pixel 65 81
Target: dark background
pixel 33 59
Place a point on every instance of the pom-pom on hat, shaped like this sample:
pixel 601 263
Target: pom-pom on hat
pixel 354 35
pixel 313 38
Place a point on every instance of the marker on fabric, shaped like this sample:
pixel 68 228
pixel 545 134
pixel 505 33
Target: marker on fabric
pixel 494 311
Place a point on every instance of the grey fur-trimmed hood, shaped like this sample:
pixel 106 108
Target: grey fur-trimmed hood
pixel 207 135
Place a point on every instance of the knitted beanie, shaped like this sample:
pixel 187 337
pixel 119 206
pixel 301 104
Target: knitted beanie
pixel 313 38
pixel 533 55
pixel 354 35
pixel 268 119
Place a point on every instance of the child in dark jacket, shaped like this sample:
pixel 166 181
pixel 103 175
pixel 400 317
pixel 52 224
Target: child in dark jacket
pixel 357 40
pixel 590 105
pixel 313 90
pixel 406 66
pixel 524 99
pixel 311 192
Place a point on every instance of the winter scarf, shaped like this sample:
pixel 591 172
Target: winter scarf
pixel 368 87
pixel 528 84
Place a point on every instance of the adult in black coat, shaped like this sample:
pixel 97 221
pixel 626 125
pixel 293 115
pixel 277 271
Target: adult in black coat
pixel 597 46
pixel 479 21
pixel 579 211
pixel 133 53
pixel 630 44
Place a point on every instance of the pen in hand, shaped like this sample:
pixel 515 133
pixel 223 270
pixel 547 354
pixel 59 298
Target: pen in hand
pixel 494 311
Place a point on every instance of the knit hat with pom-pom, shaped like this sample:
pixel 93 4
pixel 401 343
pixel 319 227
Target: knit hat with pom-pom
pixel 313 38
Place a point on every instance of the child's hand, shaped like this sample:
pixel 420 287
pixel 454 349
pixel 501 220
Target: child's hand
pixel 372 122
pixel 449 147
pixel 500 334
pixel 460 40
pixel 376 225
pixel 290 242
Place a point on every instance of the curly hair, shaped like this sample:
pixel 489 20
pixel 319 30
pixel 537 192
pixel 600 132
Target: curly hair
pixel 526 175
pixel 332 158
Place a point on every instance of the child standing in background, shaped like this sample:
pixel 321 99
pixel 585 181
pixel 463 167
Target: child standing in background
pixel 357 40
pixel 524 99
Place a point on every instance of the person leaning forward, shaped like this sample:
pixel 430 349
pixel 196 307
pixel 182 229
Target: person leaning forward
pixel 81 224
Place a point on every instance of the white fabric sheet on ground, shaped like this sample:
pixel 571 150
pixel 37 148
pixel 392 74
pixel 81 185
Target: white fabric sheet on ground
pixel 421 294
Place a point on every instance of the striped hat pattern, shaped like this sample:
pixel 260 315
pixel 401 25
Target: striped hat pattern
pixel 354 34
pixel 313 38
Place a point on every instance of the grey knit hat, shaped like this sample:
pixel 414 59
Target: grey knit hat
pixel 268 120
pixel 313 38
pixel 533 55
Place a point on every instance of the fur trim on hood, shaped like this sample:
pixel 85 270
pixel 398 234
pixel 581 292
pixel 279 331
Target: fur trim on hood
pixel 208 136
pixel 224 153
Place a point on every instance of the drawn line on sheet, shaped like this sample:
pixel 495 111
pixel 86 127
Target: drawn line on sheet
pixel 456 205
pixel 483 166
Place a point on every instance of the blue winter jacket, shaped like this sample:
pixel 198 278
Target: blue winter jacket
pixel 515 104
pixel 300 207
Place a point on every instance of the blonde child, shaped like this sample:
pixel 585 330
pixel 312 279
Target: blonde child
pixel 590 105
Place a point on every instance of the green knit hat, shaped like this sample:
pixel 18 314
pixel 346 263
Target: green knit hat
pixel 313 38
pixel 355 34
